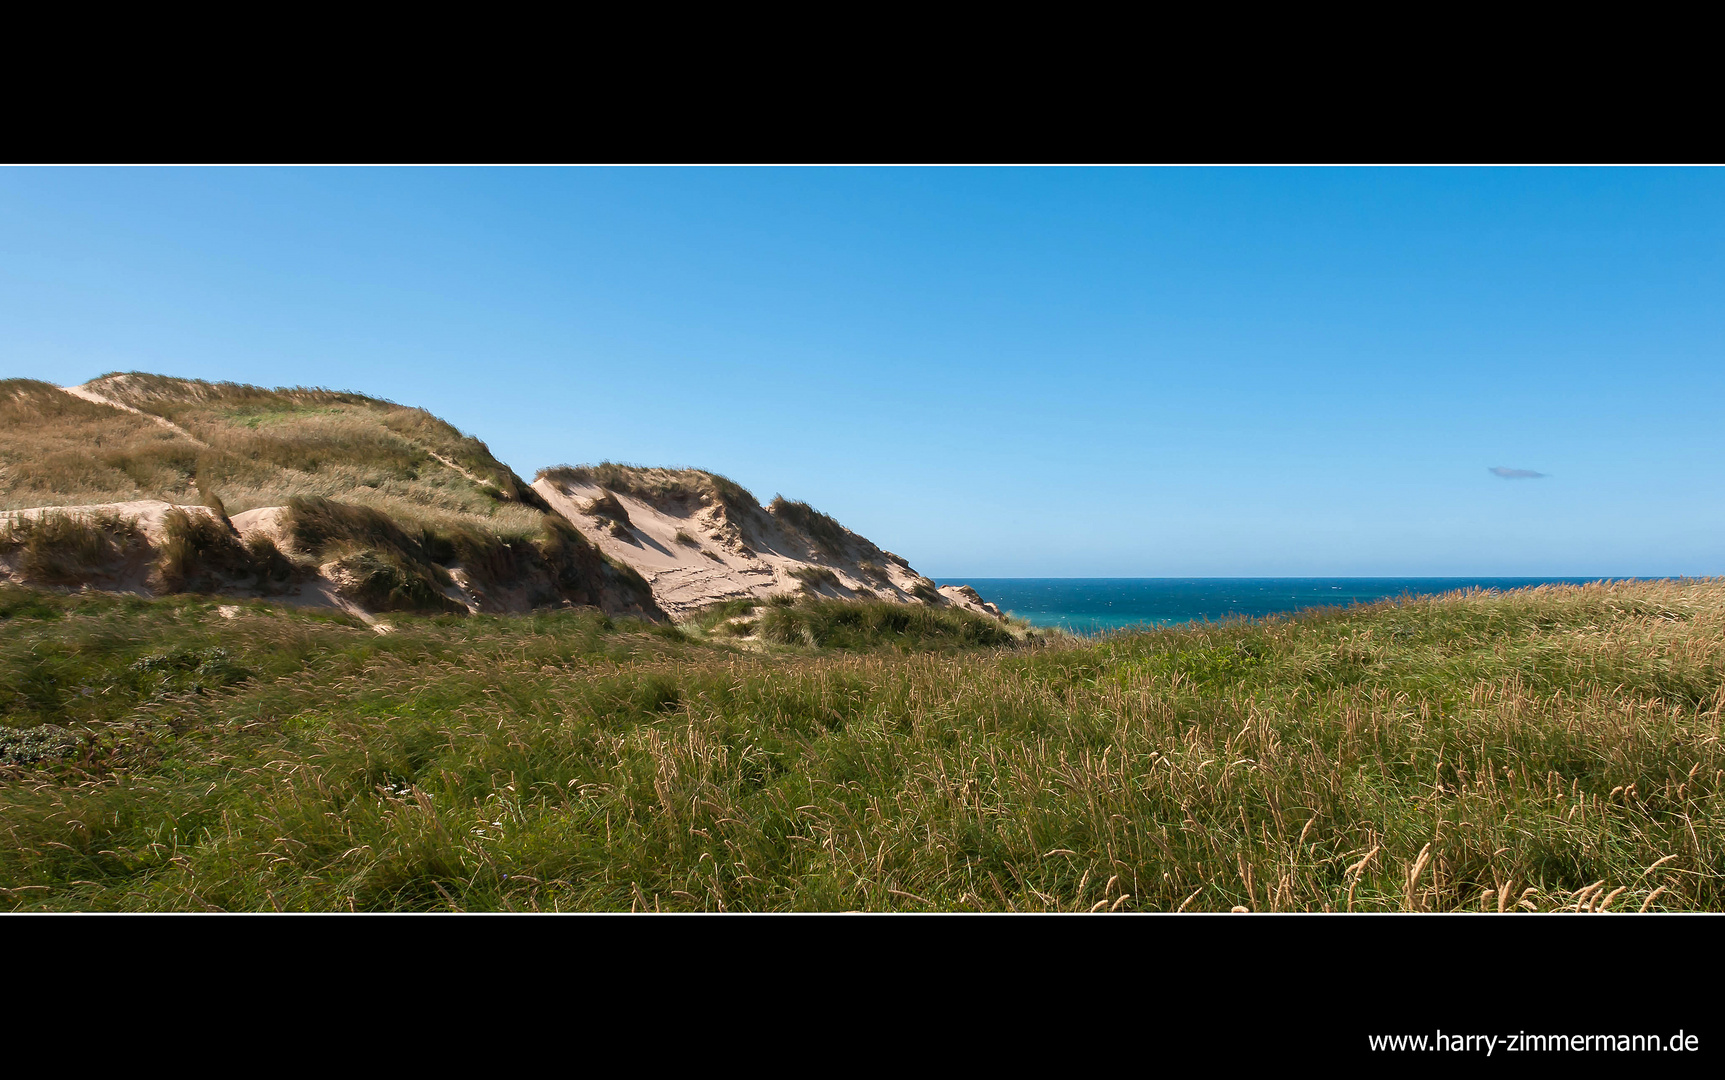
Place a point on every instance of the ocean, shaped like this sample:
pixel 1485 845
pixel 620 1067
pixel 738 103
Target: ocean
pixel 1093 605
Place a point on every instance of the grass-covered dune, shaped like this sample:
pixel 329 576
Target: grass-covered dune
pixel 243 447
pixel 390 497
pixel 1556 748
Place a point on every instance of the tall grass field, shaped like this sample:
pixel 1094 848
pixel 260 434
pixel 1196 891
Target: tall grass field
pixel 1548 749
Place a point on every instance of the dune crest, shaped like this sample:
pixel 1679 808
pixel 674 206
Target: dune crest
pixel 149 484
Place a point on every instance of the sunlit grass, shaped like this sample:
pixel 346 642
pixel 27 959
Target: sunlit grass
pixel 1544 749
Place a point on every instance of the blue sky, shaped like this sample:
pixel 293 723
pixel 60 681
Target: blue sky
pixel 992 372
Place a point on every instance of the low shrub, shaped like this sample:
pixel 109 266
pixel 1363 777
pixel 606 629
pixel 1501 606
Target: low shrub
pixel 30 745
pixel 200 553
pixel 606 506
pixel 383 580
pixel 320 525
pixel 67 548
pixel 717 616
pixel 268 561
pixel 813 577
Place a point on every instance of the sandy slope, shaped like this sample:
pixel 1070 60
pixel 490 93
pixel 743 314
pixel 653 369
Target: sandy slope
pixel 966 597
pixel 732 556
pixel 750 556
pixel 85 393
pixel 150 515
pixel 732 548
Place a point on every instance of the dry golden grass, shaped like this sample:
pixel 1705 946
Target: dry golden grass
pixel 235 448
pixel 657 485
pixel 246 447
pixel 57 450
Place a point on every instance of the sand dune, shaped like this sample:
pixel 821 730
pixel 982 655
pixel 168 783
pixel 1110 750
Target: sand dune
pixel 696 544
pixel 658 541
pixel 150 515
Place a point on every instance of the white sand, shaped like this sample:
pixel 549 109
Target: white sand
pixel 966 597
pixel 266 520
pixel 749 559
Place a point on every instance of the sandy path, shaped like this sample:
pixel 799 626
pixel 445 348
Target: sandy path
pixel 459 469
pixel 89 395
pixel 92 396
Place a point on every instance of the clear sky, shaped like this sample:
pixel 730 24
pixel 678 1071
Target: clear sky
pixel 993 373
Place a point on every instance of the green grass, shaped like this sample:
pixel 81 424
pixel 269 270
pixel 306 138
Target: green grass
pixel 713 616
pixel 845 624
pixel 1557 747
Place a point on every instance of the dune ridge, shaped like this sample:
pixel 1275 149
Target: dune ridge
pixel 142 471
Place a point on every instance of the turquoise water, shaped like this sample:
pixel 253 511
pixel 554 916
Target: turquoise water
pixel 1091 605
